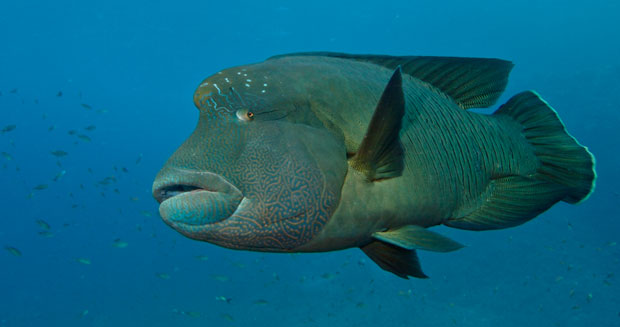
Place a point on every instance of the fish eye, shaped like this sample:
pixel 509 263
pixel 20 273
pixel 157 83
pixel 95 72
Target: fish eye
pixel 245 115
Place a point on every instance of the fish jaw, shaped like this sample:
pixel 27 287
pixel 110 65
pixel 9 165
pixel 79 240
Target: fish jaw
pixel 190 198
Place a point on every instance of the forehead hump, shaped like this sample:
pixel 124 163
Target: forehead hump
pixel 232 89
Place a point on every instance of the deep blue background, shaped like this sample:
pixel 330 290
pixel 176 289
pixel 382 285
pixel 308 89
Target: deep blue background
pixel 137 64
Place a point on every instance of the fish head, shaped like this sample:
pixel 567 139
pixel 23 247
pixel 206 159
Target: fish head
pixel 259 172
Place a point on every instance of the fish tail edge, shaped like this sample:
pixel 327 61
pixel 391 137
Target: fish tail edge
pixel 564 160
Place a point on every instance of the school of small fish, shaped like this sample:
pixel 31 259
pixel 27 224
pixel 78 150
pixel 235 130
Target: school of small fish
pixel 107 182
pixel 9 133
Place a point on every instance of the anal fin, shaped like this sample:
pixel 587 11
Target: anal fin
pixel 510 201
pixel 412 237
pixel 401 262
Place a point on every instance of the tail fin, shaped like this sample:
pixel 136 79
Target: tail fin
pixel 564 160
pixel 566 172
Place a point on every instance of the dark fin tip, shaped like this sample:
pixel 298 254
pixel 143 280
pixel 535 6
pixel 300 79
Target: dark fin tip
pixel 401 262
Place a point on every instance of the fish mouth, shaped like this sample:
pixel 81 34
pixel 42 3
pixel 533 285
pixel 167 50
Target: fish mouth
pixel 194 198
pixel 166 192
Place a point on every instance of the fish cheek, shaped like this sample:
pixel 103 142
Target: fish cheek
pixel 292 178
pixel 214 146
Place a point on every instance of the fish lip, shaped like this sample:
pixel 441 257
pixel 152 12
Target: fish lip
pixel 178 181
pixel 188 229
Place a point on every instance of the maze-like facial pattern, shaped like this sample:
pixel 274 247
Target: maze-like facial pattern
pixel 245 135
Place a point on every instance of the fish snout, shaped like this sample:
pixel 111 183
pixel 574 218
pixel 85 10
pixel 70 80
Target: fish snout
pixel 194 198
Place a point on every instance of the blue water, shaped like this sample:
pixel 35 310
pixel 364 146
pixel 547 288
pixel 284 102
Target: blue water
pixel 108 259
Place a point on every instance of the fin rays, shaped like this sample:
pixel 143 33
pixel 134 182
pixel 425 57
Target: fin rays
pixel 380 154
pixel 470 82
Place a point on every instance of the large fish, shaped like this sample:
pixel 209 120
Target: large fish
pixel 325 151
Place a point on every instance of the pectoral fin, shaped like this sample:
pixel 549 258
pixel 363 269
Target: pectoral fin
pixel 380 154
pixel 412 237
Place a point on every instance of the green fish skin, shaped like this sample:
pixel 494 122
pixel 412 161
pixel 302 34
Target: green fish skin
pixel 8 128
pixel 313 152
pixel 59 153
pixel 14 251
pixel 43 224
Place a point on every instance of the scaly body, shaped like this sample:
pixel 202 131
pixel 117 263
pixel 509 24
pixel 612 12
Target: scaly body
pixel 319 152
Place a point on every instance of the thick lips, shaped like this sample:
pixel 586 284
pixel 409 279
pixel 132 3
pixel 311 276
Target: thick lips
pixel 194 198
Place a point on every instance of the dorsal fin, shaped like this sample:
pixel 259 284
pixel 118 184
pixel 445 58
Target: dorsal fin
pixel 380 154
pixel 470 82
